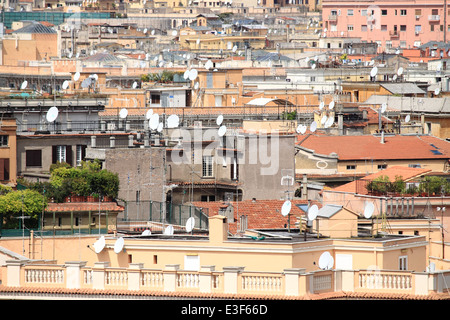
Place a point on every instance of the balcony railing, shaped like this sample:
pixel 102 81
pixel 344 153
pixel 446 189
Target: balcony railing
pixel 232 280
pixel 434 17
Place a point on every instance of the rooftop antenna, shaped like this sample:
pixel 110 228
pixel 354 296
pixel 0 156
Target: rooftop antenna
pixel 326 261
pixel 313 211
pixel 285 212
pixel 168 231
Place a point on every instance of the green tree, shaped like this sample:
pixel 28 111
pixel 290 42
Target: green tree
pixel 12 204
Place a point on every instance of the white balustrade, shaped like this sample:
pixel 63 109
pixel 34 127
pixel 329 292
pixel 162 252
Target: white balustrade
pixel 152 279
pixel 188 280
pixel 47 276
pixel 383 280
pixel 261 283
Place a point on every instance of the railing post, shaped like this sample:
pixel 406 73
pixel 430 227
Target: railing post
pixel 134 276
pixel 345 280
pixel 73 274
pixel 230 279
pixel 292 285
pixel 13 268
pixel 98 275
pixel 206 278
pixel 170 277
pixel 421 282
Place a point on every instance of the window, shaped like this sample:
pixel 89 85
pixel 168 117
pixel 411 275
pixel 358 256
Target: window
pixel 192 263
pixel 33 158
pixel 431 27
pixel 384 27
pixel 4 169
pixel 334 12
pixel 403 12
pixel 350 27
pixel 382 166
pixel 364 28
pixel 403 27
pixel 364 12
pixel 351 167
pixel 156 98
pixel 62 154
pixel 434 12
pixel 403 263
pixel 3 141
pixel 418 12
pixel 208 198
pixel 207 165
pixel 384 12
pixel 418 28
pixel 81 153
pixel 388 44
pixel 350 12
pixel 402 44
pixel 234 170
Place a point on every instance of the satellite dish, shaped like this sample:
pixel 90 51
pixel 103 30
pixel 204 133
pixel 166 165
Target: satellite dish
pixel 86 83
pixel 153 32
pixel 135 85
pixel 313 126
pixel 76 77
pixel 321 105
pixel 368 210
pixel 407 118
pixel 208 64
pixel 324 119
pixel 222 130
pixel 186 74
pixel 219 120
pixel 196 85
pixel 174 33
pixel 437 91
pixel 160 127
pixel 168 231
pixel 99 244
pixel 400 71
pixel 149 114
pixel 94 76
pixel 371 62
pixel 394 77
pixel 331 105
pixel 145 30
pixel 313 66
pixel 286 208
pixel 190 223
pixel 65 85
pixel 24 85
pixel 383 107
pixel 312 212
pixel 173 121
pixel 123 113
pixel 154 121
pixel 52 114
pixel 326 261
pixel 198 41
pixel 146 233
pixel 329 122
pixel 234 48
pixel 374 71
pixel 193 74
pixel 118 246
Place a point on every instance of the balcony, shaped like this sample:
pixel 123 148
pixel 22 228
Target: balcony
pixel 394 34
pixel 333 18
pixel 434 17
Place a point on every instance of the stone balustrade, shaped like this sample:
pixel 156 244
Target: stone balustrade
pixel 231 280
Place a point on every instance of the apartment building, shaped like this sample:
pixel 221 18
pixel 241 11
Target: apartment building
pixel 392 24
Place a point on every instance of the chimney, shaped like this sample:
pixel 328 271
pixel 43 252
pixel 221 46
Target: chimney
pixel 305 187
pixel 382 136
pixel 218 229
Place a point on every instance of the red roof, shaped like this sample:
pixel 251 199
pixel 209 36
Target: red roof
pixel 406 173
pixel 370 147
pixel 84 206
pixel 261 214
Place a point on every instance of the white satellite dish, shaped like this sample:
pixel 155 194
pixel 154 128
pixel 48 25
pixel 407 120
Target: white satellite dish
pixel 208 64
pixel 149 114
pixel 312 212
pixel 331 105
pixel 145 30
pixel 400 71
pixel 383 107
pixel 368 210
pixel 65 85
pixel 286 208
pixel 153 32
pixel 160 127
pixel 168 231
pixel 118 246
pixel 407 118
pixel 24 85
pixel 394 77
pixel 99 245
pixel 371 62
pixel 198 41
pixel 313 126
pixel 329 122
pixel 173 121
pixel 326 261
pixel 186 74
pixel 219 120
pixel 222 130
pixel 374 71
pixel 324 119
pixel 86 82
pixel 123 113
pixel 190 223
pixel 94 76
pixel 174 33
pixel 193 74
pixel 234 49
pixel 437 91
pixel 196 85
pixel 76 77
pixel 135 85
pixel 321 105
pixel 52 114
pixel 146 233
pixel 154 121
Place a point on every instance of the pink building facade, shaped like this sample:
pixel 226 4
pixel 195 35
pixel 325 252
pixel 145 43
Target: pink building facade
pixel 393 24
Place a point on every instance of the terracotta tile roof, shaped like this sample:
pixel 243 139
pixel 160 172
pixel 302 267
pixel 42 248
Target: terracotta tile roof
pixel 406 173
pixel 120 294
pixel 396 147
pixel 84 206
pixel 261 214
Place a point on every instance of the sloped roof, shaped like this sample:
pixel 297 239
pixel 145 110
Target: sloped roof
pixel 402 88
pixel 103 57
pixel 84 207
pixel 329 210
pixel 412 104
pixel 35 27
pixel 361 147
pixel 261 214
pixel 406 173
